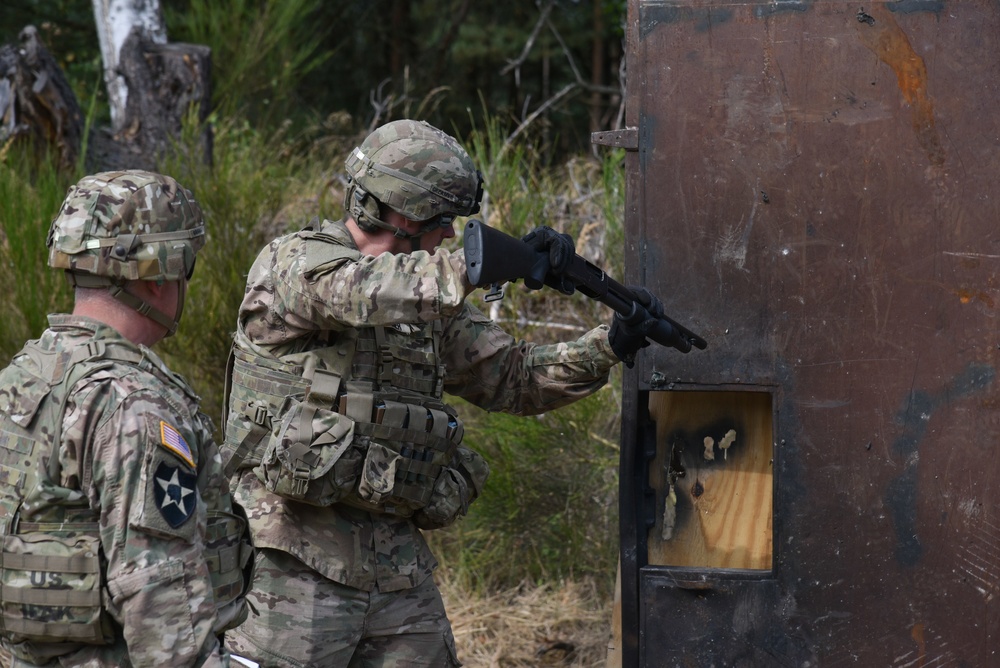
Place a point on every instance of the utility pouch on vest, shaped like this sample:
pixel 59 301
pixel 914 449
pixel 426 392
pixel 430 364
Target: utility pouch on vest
pixel 308 458
pixel 455 489
pixel 229 555
pixel 53 585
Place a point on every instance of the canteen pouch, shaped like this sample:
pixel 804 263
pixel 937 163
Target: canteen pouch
pixel 308 456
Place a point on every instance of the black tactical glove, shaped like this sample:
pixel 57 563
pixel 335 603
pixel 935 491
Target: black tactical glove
pixel 628 333
pixel 560 249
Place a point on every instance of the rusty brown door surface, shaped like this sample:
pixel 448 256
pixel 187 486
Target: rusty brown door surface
pixel 813 187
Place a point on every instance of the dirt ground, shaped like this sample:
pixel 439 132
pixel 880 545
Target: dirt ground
pixel 565 624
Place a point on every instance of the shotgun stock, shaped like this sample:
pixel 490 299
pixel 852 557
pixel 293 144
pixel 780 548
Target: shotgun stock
pixel 493 257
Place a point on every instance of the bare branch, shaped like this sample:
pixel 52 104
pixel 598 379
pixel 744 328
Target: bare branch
pixel 566 90
pixel 542 20
pixel 381 103
pixel 586 85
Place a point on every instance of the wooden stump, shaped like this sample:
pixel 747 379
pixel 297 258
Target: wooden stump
pixel 166 83
pixel 36 102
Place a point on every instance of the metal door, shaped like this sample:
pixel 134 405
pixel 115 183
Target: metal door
pixel 813 188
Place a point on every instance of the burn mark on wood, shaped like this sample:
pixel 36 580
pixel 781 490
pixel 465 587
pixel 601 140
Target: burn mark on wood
pixel 901 493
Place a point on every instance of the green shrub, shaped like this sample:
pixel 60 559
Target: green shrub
pixel 549 510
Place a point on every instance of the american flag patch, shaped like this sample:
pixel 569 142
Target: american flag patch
pixel 172 438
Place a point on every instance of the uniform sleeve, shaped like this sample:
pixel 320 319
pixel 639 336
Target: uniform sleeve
pixel 145 480
pixel 295 287
pixel 492 370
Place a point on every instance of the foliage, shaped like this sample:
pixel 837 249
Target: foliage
pixel 287 59
pixel 241 193
pixel 30 195
pixel 550 498
pixel 261 51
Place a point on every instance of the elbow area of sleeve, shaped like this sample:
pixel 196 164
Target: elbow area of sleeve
pixel 162 573
pixel 166 615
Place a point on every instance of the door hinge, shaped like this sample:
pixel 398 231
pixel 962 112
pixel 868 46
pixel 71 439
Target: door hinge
pixel 626 138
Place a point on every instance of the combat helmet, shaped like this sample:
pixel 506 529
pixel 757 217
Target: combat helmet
pixel 414 169
pixel 135 225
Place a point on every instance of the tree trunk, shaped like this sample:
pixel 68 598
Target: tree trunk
pixel 152 85
pixel 166 82
pixel 36 101
pixel 399 44
pixel 115 21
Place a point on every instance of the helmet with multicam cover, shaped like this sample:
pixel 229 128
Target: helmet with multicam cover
pixel 127 226
pixel 115 227
pixel 414 169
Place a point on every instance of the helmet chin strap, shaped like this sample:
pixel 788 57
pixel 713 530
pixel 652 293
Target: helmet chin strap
pixel 148 310
pixel 368 221
pixel 80 279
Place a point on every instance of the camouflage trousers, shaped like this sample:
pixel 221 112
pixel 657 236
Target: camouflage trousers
pixel 300 618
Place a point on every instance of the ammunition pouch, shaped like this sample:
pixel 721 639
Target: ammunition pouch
pixel 322 441
pixel 411 441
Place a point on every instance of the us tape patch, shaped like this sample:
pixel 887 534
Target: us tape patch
pixel 175 493
pixel 173 441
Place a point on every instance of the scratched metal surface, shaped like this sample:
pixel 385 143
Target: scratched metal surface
pixel 816 193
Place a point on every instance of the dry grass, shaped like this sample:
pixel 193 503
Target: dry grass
pixel 564 624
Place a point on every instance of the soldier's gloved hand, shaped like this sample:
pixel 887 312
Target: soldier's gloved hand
pixel 560 249
pixel 628 333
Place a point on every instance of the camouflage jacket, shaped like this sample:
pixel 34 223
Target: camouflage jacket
pixel 137 452
pixel 298 299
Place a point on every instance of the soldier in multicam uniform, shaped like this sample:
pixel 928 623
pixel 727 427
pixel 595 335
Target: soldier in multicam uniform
pixel 121 545
pixel 341 445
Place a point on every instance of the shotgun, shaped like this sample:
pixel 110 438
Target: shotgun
pixel 493 257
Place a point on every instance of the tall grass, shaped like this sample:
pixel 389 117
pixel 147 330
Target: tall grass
pixel 549 510
pixel 261 51
pixel 31 192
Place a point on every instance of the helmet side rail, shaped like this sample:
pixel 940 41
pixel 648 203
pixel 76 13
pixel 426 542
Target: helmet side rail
pixel 494 257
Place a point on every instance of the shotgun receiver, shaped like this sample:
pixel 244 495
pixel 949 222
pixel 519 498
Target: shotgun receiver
pixel 493 257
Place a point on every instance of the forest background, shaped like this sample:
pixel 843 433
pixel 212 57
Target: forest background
pixel 529 574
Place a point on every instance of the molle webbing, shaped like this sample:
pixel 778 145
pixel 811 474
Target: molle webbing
pixel 50 565
pixel 381 359
pixel 388 382
pixel 396 417
pixel 260 387
pixel 226 555
pixel 424 433
pixel 73 600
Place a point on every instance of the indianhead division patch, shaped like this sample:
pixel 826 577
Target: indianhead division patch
pixel 173 441
pixel 175 493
